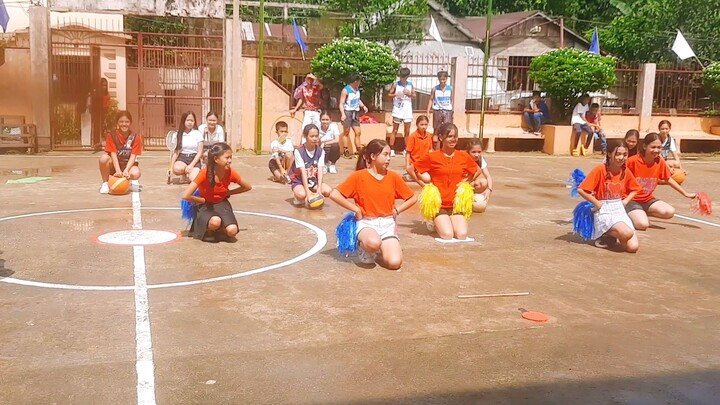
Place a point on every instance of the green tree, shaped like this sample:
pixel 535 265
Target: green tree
pixel 565 74
pixel 336 61
pixel 647 31
pixel 711 81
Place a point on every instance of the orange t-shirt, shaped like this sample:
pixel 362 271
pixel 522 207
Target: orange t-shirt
pixel 647 175
pixel 220 191
pixel 447 172
pixel 418 146
pixel 376 198
pixel 614 188
pixel 135 148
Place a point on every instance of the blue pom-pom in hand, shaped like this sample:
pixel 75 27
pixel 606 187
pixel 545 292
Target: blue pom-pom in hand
pixel 583 220
pixel 577 176
pixel 346 233
pixel 187 208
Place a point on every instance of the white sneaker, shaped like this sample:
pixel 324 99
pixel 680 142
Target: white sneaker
pixel 104 189
pixel 333 169
pixel 297 202
pixel 392 153
pixel 325 169
pixel 430 226
pixel 365 257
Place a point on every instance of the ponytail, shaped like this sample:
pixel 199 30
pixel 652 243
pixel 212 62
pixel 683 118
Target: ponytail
pixel 373 147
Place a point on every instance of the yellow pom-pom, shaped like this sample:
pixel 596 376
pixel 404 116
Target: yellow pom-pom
pixel 464 195
pixel 430 202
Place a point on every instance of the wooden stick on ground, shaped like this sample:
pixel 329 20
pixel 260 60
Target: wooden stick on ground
pixel 518 294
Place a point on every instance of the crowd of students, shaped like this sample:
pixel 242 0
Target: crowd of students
pixel 621 189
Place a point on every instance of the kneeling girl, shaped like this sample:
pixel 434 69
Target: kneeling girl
pixel 214 214
pixel 374 189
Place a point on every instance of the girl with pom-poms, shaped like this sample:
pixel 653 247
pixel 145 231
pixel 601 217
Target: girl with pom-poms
pixel 610 187
pixel 650 169
pixel 448 169
pixel 214 214
pixel 374 189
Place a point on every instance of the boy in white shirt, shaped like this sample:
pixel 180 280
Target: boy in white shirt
pixel 282 156
pixel 580 125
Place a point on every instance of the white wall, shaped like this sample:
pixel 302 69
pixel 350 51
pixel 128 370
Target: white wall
pixel 19 13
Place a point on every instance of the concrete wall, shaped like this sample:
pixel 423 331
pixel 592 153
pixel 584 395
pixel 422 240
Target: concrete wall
pixel 15 81
pixel 275 105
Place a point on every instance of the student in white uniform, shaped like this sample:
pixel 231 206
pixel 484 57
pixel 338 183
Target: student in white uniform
pixel 211 130
pixel 402 92
pixel 186 157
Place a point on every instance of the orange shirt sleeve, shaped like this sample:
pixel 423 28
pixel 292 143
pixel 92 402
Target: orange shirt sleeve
pixel 235 176
pixel 410 147
pixel 137 145
pixel 348 188
pixel 631 183
pixel 201 177
pixel 470 166
pixel 593 179
pixel 402 190
pixel 664 172
pixel 110 146
pixel 423 165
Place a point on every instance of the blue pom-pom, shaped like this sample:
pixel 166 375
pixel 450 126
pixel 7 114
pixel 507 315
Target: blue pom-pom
pixel 187 209
pixel 583 221
pixel 576 177
pixel 346 233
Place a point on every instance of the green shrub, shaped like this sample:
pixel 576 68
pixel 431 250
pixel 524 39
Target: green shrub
pixel 566 74
pixel 336 61
pixel 711 81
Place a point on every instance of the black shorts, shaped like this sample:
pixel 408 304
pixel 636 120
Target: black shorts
pixel 446 211
pixel 634 205
pixel 186 158
pixel 352 119
pixel 123 164
pixel 272 164
pixel 204 212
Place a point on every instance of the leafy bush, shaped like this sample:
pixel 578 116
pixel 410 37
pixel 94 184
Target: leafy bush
pixel 336 61
pixel 711 81
pixel 566 74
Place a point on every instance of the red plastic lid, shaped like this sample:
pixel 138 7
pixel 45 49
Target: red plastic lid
pixel 535 316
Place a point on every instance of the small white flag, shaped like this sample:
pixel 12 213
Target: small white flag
pixel 434 30
pixel 682 48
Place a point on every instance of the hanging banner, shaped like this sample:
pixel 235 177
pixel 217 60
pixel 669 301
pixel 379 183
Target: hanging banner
pixel 178 8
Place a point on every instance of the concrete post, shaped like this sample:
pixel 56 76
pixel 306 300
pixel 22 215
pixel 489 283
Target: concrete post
pixel 233 80
pixel 644 98
pixel 460 84
pixel 40 72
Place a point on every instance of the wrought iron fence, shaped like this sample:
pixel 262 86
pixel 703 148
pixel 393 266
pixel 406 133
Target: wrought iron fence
pixel 679 90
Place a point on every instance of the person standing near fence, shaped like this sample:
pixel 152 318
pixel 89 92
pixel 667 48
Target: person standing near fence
pixel 402 92
pixel 441 101
pixel 310 96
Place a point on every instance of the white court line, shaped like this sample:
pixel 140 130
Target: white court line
pixel 144 365
pixel 698 220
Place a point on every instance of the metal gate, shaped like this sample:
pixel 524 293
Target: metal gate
pixel 185 75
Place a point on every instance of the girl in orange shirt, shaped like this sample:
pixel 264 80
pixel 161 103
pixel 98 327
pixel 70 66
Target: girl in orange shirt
pixel 374 189
pixel 419 144
pixel 610 187
pixel 447 168
pixel 214 215
pixel 650 169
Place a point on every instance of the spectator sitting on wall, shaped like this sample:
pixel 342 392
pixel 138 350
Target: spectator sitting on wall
pixel 533 115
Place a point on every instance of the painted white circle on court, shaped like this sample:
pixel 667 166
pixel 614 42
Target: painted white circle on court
pixel 319 244
pixel 137 237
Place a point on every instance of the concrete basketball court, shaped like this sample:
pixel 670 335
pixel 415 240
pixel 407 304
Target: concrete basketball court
pixel 288 321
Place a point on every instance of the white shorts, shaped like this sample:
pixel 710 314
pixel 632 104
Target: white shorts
pixel 386 227
pixel 311 117
pixel 611 212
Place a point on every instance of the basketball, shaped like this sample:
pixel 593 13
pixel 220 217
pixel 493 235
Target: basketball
pixel 679 176
pixel 118 185
pixel 479 203
pixel 315 201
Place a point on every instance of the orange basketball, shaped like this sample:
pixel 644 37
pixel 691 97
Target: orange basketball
pixel 679 176
pixel 118 185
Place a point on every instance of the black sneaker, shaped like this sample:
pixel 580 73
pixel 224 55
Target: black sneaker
pixel 346 153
